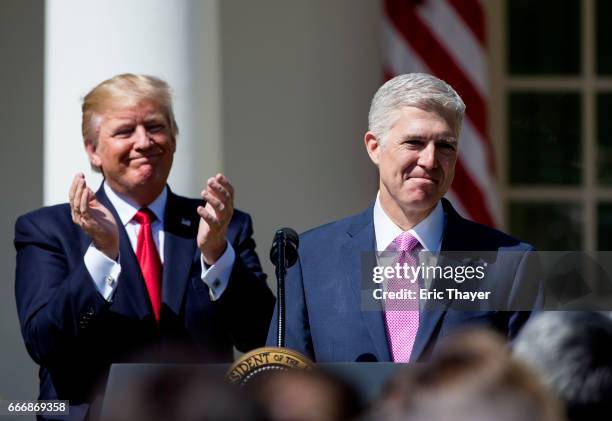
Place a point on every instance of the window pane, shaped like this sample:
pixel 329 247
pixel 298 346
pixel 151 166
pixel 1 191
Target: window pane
pixel 604 36
pixel 544 133
pixel 604 138
pixel 604 223
pixel 544 37
pixel 548 226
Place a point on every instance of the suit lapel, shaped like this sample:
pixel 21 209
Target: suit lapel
pixel 131 295
pixel 432 314
pixel 358 255
pixel 180 226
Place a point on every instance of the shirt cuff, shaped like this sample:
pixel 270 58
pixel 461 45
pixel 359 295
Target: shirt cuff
pixel 217 276
pixel 103 270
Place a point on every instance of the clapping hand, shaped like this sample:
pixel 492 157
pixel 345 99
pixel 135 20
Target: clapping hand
pixel 215 217
pixel 93 217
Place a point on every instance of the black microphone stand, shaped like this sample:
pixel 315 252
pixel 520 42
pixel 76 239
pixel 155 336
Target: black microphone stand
pixel 281 270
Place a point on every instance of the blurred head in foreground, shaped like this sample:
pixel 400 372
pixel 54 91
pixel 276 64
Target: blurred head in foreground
pixel 471 378
pixel 175 393
pixel 572 353
pixel 305 395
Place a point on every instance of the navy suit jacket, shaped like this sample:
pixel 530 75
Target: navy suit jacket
pixel 74 334
pixel 327 313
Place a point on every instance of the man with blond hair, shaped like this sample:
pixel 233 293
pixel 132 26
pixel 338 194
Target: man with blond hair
pixel 134 267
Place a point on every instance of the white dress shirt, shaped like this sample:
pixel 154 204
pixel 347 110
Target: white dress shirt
pixel 105 271
pixel 429 231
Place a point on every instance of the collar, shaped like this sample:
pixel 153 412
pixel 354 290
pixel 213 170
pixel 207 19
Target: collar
pixel 127 208
pixel 429 231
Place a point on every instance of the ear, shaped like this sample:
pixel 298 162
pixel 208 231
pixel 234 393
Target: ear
pixel 92 154
pixel 373 146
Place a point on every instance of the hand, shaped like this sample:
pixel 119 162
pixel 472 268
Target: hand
pixel 93 217
pixel 215 218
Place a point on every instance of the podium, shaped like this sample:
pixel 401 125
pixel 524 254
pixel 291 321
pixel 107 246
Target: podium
pixel 367 378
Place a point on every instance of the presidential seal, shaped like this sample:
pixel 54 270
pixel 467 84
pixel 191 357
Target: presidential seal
pixel 265 360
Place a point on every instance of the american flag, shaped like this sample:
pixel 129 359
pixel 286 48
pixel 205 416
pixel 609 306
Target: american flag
pixel 446 38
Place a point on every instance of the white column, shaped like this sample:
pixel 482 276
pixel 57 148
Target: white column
pixel 87 42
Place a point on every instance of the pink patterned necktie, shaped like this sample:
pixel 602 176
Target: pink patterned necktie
pixel 402 316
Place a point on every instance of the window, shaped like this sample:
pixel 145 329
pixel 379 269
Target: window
pixel 552 120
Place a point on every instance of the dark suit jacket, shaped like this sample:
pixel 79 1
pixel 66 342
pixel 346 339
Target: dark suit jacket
pixel 329 315
pixel 74 334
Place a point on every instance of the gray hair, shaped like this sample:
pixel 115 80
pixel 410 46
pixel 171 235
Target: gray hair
pixel 419 90
pixel 572 352
pixel 471 376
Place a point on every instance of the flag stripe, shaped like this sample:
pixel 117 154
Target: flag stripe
pixel 458 40
pixel 477 162
pixel 473 16
pixel 471 197
pixel 400 57
pixel 433 53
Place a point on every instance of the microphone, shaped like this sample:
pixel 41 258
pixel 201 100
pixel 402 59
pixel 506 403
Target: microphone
pixel 287 239
pixel 284 254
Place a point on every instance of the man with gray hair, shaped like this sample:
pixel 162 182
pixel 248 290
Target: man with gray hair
pixel 572 353
pixel 413 137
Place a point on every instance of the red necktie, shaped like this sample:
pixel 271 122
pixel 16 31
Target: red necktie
pixel 148 258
